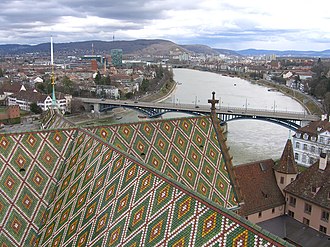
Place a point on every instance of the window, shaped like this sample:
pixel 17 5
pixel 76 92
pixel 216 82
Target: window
pixel 313 149
pixel 298 135
pixel 303 159
pixel 296 156
pixel 321 139
pixel 282 180
pixel 297 145
pixel 305 147
pixel 325 216
pixel 305 136
pixel 292 201
pixel 291 214
pixel 323 229
pixel 306 221
pixel 308 208
pixel 259 214
pixel 273 210
pixel 320 150
pixel 313 138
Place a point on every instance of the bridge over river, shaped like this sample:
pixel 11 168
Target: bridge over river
pixel 291 120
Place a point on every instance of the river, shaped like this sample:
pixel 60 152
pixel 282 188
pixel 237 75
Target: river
pixel 249 140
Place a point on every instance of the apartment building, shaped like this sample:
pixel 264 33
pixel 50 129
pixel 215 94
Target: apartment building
pixel 310 141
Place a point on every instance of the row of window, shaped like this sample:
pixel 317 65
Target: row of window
pixel 312 149
pixel 321 139
pixel 306 221
pixel 304 158
pixel 308 209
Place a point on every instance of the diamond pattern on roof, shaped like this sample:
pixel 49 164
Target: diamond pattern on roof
pixel 28 176
pixel 185 149
pixel 133 206
pixel 76 190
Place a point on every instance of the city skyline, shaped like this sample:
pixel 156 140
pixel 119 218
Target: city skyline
pixel 235 24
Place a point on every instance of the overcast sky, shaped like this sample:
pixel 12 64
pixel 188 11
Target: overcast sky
pixel 228 24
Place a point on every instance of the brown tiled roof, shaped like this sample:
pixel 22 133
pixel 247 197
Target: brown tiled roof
pixel 287 163
pixel 312 177
pixel 258 187
pixel 315 127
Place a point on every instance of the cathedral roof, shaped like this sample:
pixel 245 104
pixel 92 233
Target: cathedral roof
pixel 74 187
pixel 185 149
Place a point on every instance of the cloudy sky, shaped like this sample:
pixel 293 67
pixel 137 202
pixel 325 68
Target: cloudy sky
pixel 228 24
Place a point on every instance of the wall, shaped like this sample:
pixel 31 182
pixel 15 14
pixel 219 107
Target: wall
pixel 266 214
pixel 314 217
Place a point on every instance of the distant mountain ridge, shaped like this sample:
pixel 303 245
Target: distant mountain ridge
pixel 287 53
pixel 151 47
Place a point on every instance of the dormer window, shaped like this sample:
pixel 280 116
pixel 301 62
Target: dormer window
pixel 315 189
pixel 305 136
pixel 313 138
pixel 298 135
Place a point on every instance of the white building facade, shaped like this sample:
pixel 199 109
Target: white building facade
pixel 310 141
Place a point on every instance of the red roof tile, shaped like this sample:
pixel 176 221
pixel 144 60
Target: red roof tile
pixel 258 187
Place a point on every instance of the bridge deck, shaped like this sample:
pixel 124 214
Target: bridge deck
pixel 204 109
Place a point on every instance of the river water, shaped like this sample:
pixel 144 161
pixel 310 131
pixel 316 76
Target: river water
pixel 249 140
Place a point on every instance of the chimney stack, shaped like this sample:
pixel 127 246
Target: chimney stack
pixel 323 161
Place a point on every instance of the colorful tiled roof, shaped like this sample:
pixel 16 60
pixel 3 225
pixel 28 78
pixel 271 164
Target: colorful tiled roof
pixel 259 187
pixel 30 168
pixel 287 163
pixel 70 187
pixel 107 198
pixel 185 149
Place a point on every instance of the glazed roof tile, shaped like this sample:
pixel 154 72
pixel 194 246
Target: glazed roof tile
pixel 106 197
pixel 30 165
pixel 77 189
pixel 185 149
pixel 258 186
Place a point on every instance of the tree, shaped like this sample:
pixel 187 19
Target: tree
pixel 144 85
pixel 129 95
pixel 35 108
pixel 98 78
pixel 67 85
pixel 77 106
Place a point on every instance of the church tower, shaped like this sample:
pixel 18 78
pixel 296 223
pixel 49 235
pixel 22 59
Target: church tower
pixel 286 168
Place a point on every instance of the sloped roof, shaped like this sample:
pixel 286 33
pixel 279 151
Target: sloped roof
pixel 258 186
pixel 287 163
pixel 77 190
pixel 312 177
pixel 315 127
pixel 107 198
pixel 185 149
pixel 30 165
